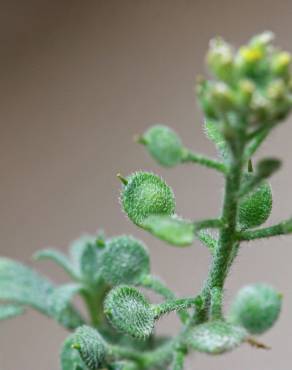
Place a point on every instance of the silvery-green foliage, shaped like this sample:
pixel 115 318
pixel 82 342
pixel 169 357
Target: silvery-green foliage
pixel 8 311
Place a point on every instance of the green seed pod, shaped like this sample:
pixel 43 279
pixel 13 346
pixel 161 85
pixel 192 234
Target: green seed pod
pixel 255 207
pixel 216 337
pixel 256 307
pixel 91 346
pixel 164 145
pixel 124 261
pixel 129 312
pixel 146 194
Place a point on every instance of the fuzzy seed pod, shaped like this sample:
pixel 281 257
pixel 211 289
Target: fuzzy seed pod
pixel 256 307
pixel 124 261
pixel 216 337
pixel 255 208
pixel 91 346
pixel 164 145
pixel 146 194
pixel 129 312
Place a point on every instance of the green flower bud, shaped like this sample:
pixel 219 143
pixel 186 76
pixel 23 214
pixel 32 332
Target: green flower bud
pixel 216 337
pixel 246 88
pixel 221 97
pixel 146 194
pixel 91 346
pixel 256 307
pixel 255 207
pixel 124 261
pixel 129 312
pixel 281 63
pixel 220 59
pixel 164 145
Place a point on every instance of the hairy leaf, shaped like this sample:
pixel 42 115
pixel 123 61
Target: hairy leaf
pixel 212 130
pixel 8 311
pixel 59 258
pixel 89 263
pixel 60 307
pixel 77 248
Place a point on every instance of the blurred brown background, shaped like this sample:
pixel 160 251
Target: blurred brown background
pixel 78 80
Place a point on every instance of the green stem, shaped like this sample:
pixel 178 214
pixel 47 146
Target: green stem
pixel 227 233
pixel 283 228
pixel 160 288
pixel 174 305
pixel 191 157
pixel 178 360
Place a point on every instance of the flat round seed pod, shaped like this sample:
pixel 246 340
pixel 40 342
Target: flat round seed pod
pixel 146 194
pixel 129 312
pixel 216 337
pixel 124 261
pixel 163 145
pixel 91 346
pixel 255 208
pixel 256 307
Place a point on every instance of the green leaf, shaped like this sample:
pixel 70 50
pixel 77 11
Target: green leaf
pixel 60 307
pixel 77 248
pixel 171 229
pixel 89 263
pixel 125 260
pixel 20 284
pixel 69 357
pixel 212 130
pixel 216 337
pixel 8 311
pixel 123 365
pixel 24 286
pixel 59 258
pixel 91 347
pixel 129 312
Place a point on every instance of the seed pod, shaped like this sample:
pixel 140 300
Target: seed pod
pixel 164 145
pixel 256 307
pixel 124 261
pixel 255 208
pixel 215 337
pixel 129 312
pixel 146 194
pixel 91 346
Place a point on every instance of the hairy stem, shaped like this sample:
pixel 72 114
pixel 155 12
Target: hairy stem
pixel 204 161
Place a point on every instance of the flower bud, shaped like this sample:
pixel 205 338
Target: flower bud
pixel 124 261
pixel 255 207
pixel 164 145
pixel 146 194
pixel 129 312
pixel 281 63
pixel 220 59
pixel 246 89
pixel 256 307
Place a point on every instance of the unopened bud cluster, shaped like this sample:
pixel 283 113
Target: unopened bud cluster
pixel 251 86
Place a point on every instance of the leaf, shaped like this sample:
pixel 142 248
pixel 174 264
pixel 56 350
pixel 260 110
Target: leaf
pixel 216 337
pixel 213 133
pixel 123 365
pixel 22 285
pixel 88 263
pixel 61 308
pixel 91 346
pixel 59 258
pixel 69 357
pixel 171 229
pixel 77 248
pixel 9 310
